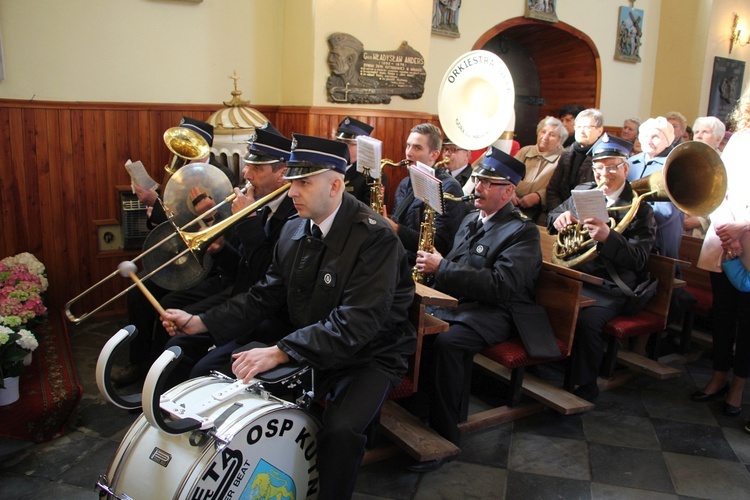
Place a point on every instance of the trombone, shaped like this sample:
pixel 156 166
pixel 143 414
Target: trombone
pixel 196 244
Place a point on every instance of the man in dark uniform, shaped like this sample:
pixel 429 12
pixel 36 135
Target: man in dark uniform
pixel 356 182
pixel 245 259
pixel 424 145
pixel 626 253
pixel 459 165
pixel 492 271
pixel 342 274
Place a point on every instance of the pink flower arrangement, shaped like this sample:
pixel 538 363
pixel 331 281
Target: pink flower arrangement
pixel 22 283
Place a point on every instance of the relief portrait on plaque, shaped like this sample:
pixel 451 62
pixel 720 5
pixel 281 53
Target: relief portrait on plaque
pixel 365 76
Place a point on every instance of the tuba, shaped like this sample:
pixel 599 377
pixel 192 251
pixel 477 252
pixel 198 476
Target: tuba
pixel 693 179
pixel 186 146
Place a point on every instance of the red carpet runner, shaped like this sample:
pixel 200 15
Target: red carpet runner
pixel 49 388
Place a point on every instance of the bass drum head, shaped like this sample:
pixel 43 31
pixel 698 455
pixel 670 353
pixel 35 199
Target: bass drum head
pixel 271 451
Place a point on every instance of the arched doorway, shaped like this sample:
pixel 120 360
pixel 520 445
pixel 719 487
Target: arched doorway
pixel 552 64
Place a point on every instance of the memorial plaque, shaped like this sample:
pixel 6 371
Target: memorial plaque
pixel 726 87
pixel 368 76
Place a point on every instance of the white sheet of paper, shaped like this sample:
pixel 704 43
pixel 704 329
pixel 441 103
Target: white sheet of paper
pixel 590 203
pixel 369 153
pixel 139 176
pixel 427 187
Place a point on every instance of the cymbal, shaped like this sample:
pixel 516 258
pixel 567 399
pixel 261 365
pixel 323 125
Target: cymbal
pixel 186 271
pixel 207 178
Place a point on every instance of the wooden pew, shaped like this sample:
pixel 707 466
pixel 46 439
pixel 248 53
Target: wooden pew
pixel 698 283
pixel 402 428
pixel 560 295
pixel 652 319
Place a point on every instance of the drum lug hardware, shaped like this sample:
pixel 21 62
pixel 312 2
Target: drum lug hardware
pixel 305 400
pixel 102 485
pixel 260 391
pixel 219 375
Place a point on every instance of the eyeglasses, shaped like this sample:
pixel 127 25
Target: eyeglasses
pixel 608 168
pixel 584 127
pixel 452 150
pixel 487 184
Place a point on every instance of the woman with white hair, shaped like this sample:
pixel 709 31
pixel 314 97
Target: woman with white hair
pixel 709 130
pixel 540 160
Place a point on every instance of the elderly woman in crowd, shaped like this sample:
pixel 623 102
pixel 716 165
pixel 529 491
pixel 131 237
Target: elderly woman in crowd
pixel 540 160
pixel 731 307
pixel 709 130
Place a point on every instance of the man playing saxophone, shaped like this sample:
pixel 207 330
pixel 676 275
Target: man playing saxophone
pixel 492 270
pixel 626 253
pixel 424 145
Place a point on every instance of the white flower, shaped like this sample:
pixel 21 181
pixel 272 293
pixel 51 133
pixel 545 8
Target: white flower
pixel 5 329
pixel 27 259
pixel 27 340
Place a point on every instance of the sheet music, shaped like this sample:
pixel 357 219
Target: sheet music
pixel 590 203
pixel 369 153
pixel 427 187
pixel 139 176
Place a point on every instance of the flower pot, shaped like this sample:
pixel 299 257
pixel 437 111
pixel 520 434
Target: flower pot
pixel 9 394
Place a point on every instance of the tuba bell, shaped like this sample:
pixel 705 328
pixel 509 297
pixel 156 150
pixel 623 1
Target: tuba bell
pixel 186 146
pixel 693 179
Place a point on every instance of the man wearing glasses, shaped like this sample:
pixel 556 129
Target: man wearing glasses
pixel 625 253
pixel 574 167
pixel 458 164
pixel 492 271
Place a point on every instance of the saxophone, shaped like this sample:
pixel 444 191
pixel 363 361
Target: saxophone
pixel 377 190
pixel 427 227
pixel 426 239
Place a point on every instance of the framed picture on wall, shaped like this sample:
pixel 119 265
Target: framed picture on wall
pixel 629 32
pixel 445 17
pixel 726 87
pixel 544 10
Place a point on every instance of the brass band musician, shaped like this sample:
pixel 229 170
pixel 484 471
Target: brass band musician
pixel 627 253
pixel 424 145
pixel 492 270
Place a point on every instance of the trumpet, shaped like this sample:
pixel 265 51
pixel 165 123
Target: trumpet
pixel 196 244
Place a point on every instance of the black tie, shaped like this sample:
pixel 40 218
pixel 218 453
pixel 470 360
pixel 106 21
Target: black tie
pixel 316 232
pixel 475 226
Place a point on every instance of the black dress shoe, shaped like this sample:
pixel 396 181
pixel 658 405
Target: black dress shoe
pixel 589 391
pixel 428 466
pixel 702 397
pixel 731 411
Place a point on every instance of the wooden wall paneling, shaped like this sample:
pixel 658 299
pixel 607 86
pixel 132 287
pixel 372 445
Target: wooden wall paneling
pixel 30 172
pixel 8 186
pixel 73 225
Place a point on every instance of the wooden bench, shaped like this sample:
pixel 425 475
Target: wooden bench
pixel 402 428
pixel 652 319
pixel 560 296
pixel 698 283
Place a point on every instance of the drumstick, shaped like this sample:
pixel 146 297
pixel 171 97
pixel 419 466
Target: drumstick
pixel 128 269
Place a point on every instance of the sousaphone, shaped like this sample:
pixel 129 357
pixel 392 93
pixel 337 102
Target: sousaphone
pixel 475 100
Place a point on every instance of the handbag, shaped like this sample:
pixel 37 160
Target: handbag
pixel 638 298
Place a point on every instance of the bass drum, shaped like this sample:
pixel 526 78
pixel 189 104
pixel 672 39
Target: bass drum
pixel 263 448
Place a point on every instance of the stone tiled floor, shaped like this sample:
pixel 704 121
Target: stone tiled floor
pixel 643 440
